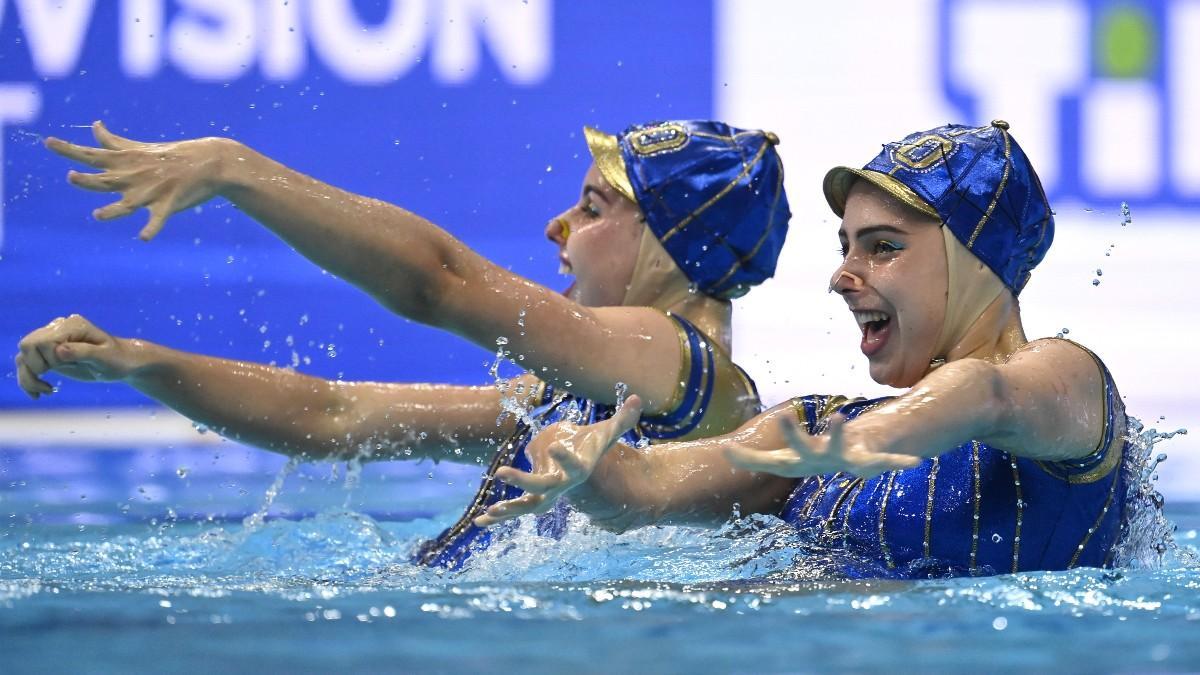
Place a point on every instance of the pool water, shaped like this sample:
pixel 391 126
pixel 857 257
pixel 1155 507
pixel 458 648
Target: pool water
pixel 180 559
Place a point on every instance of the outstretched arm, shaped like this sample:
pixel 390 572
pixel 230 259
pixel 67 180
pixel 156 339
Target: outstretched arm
pixel 275 408
pixel 1046 402
pixel 407 263
pixel 621 487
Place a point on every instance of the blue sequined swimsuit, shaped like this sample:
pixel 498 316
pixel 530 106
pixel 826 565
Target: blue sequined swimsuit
pixel 974 510
pixel 455 545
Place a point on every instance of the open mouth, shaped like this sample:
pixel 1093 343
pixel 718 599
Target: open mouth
pixel 876 328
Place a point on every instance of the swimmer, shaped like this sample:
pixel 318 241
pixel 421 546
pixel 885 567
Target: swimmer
pixel 1004 455
pixel 673 221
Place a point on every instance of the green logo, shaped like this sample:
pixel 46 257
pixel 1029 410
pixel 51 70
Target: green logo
pixel 1124 42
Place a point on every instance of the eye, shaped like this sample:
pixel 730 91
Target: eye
pixel 590 209
pixel 885 247
pixel 844 250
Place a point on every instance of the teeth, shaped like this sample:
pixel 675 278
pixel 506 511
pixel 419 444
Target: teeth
pixel 865 317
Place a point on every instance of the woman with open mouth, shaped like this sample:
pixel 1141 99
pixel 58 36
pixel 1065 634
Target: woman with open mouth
pixel 673 221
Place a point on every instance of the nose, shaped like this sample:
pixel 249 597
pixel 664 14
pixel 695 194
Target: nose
pixel 845 281
pixel 557 230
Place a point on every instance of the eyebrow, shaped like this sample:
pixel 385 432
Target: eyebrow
pixel 872 229
pixel 592 189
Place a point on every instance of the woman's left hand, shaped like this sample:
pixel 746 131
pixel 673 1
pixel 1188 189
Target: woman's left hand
pixel 837 450
pixel 563 456
pixel 165 178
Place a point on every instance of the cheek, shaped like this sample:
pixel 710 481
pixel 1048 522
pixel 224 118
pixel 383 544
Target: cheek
pixel 601 251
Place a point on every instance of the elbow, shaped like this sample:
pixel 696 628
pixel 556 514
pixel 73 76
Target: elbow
pixel 428 298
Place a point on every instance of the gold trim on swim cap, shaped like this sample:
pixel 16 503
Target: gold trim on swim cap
pixel 606 152
pixel 840 179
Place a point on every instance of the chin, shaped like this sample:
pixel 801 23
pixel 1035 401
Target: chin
pixel 891 376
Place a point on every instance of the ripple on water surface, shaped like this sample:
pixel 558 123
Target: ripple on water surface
pixel 335 589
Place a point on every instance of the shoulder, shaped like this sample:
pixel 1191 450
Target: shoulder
pixel 1077 372
pixel 1066 355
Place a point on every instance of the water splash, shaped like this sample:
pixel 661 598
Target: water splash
pixel 621 390
pixel 1147 535
pixel 516 398
pixel 255 520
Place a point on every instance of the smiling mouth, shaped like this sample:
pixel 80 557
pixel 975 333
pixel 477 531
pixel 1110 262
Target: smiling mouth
pixel 876 328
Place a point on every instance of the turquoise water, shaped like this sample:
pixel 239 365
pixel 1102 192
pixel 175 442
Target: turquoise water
pixel 154 560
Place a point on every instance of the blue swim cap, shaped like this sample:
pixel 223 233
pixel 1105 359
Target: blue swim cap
pixel 977 181
pixel 711 193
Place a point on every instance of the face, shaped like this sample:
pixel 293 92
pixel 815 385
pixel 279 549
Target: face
pixel 893 278
pixel 598 240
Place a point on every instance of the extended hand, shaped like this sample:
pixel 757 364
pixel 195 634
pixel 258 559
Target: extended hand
pixel 71 346
pixel 834 451
pixel 163 177
pixel 563 456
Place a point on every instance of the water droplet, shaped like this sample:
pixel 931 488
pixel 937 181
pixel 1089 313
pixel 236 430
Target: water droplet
pixel 1125 217
pixel 500 341
pixel 996 539
pixel 182 472
pixel 1095 282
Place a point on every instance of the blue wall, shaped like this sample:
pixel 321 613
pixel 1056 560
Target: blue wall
pixel 488 158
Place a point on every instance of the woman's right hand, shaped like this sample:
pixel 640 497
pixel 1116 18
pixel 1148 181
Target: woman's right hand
pixel 74 347
pixel 165 178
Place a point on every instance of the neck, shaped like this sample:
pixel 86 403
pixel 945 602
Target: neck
pixel 659 283
pixel 996 335
pixel 713 317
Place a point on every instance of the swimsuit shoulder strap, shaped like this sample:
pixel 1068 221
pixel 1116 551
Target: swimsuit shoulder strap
pixel 1107 455
pixel 697 378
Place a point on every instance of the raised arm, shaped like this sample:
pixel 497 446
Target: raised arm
pixel 407 263
pixel 621 487
pixel 275 408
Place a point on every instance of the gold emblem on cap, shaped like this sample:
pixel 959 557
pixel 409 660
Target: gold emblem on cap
pixel 936 148
pixel 661 138
pixel 1000 124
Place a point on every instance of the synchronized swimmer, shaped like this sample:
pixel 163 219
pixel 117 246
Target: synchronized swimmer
pixel 673 221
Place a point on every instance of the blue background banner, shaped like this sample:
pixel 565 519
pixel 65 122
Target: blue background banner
pixel 466 112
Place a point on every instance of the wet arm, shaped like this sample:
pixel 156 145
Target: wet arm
pixel 1045 402
pixel 299 415
pixel 420 271
pixel 685 483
